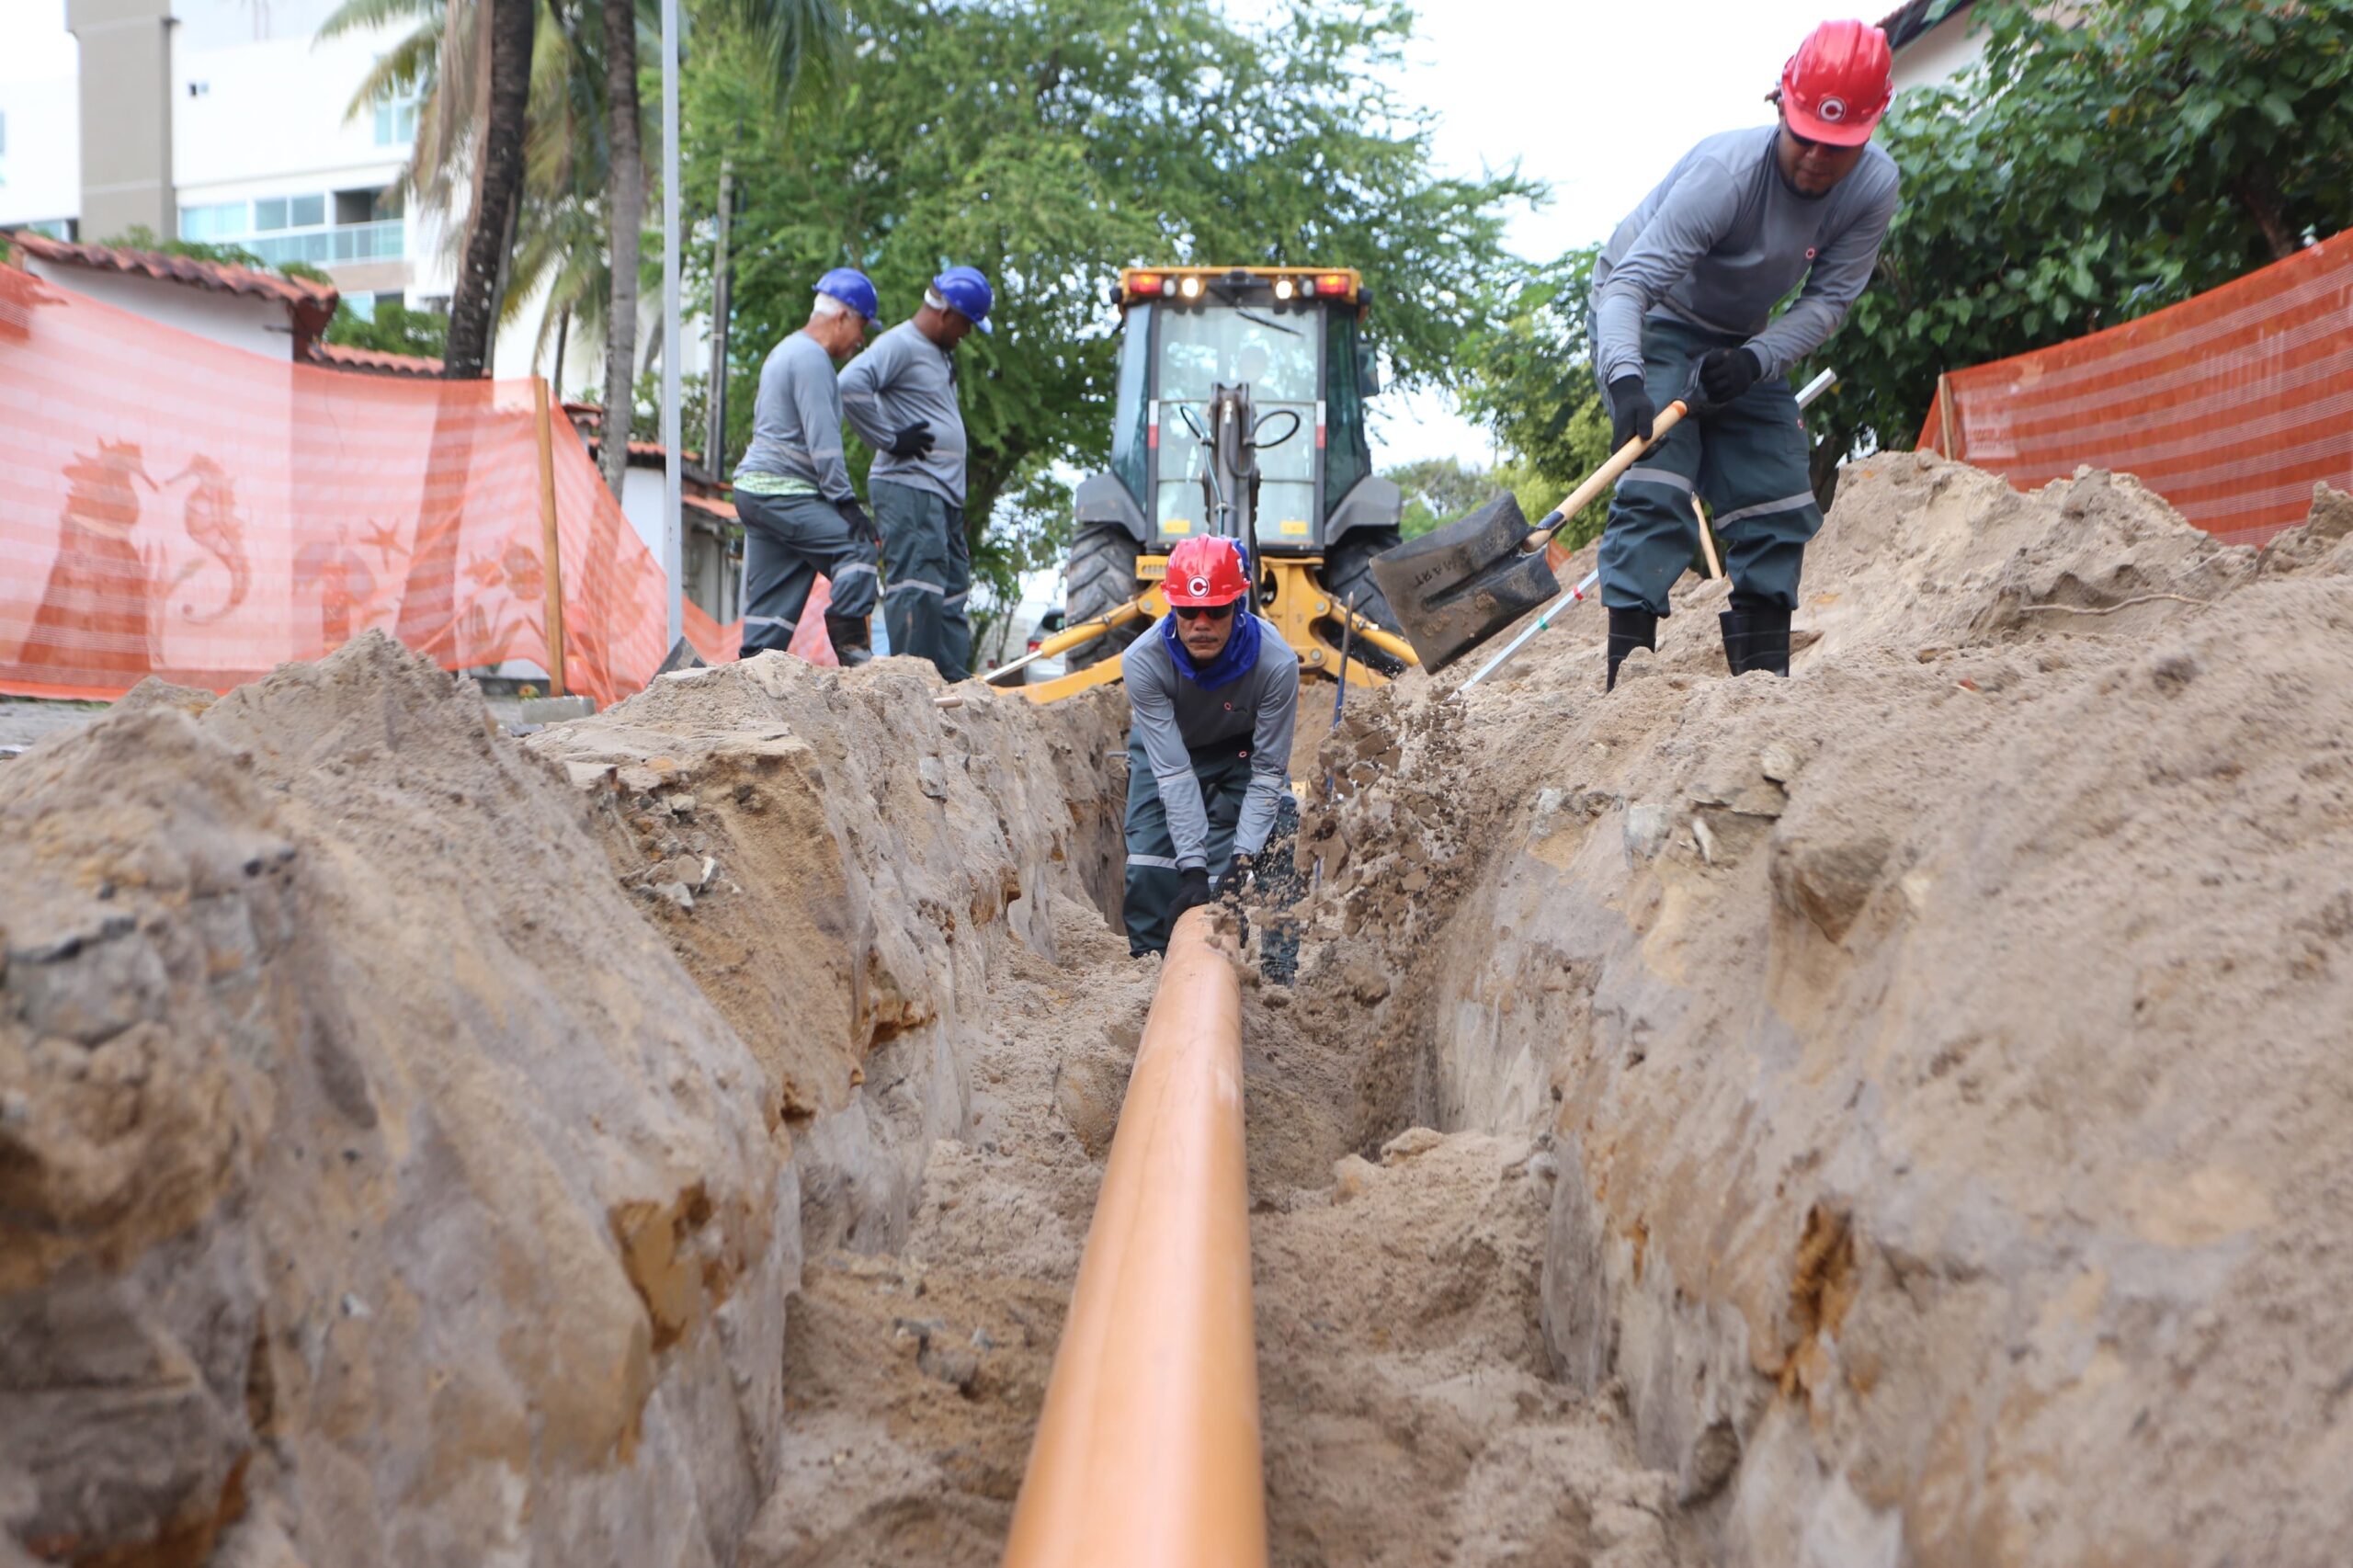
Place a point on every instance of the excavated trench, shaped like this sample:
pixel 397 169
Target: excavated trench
pixel 1893 1115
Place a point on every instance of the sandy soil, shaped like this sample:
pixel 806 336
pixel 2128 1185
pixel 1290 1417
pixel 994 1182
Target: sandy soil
pixel 1409 1415
pixel 1898 1115
pixel 1943 1049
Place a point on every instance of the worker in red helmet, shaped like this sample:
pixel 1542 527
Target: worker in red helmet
pixel 1683 300
pixel 1213 691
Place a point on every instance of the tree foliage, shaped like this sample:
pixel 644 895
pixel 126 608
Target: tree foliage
pixel 1536 388
pixel 2088 172
pixel 1444 490
pixel 1050 141
pixel 395 329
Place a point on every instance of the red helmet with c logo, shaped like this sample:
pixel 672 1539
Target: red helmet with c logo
pixel 1205 570
pixel 1838 83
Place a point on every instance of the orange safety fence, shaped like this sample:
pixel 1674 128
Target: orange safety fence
pixel 2230 405
pixel 179 507
pixel 718 644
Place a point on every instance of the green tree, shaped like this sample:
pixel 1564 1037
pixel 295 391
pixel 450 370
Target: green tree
pixel 1050 141
pixel 397 329
pixel 1439 490
pixel 2088 172
pixel 1535 387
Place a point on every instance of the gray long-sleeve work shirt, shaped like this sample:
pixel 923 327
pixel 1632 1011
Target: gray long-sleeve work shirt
pixel 797 420
pixel 903 377
pixel 1175 717
pixel 1723 239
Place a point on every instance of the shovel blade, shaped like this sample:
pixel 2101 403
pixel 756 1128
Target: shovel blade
pixel 1455 586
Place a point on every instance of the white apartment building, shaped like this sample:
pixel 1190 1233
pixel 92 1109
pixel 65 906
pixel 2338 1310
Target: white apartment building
pixel 229 120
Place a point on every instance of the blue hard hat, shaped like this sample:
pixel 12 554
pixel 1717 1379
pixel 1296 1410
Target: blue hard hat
pixel 968 292
pixel 853 289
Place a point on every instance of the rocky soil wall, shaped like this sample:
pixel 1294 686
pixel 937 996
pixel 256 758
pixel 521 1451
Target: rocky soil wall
pixel 1945 1049
pixel 385 1180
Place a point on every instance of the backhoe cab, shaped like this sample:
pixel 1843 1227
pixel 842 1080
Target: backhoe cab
pixel 1240 413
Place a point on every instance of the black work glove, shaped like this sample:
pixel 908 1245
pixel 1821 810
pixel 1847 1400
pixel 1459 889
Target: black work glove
pixel 862 523
pixel 1631 411
pixel 1726 373
pixel 913 441
pixel 1192 891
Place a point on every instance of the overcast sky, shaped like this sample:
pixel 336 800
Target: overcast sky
pixel 1594 100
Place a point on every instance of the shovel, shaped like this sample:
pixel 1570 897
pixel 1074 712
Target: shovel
pixel 1455 586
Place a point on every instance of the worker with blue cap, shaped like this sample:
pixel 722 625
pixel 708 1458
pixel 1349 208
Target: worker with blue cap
pixel 792 490
pixel 899 396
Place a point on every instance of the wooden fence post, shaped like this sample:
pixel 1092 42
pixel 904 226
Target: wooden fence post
pixel 551 557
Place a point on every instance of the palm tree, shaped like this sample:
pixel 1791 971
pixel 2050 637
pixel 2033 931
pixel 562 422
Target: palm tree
pixel 506 30
pixel 584 167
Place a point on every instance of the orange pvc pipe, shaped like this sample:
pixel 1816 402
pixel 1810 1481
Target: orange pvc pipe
pixel 1147 1450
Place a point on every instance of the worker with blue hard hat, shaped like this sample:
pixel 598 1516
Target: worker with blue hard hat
pixel 899 396
pixel 800 515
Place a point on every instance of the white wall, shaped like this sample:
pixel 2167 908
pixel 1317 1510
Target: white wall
pixel 641 505
pixel 241 321
pixel 1944 52
pixel 41 173
pixel 271 113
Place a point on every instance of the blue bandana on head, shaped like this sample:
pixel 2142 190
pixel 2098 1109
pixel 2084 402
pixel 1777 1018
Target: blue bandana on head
pixel 1237 659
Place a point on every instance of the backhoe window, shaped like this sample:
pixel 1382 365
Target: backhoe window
pixel 1347 457
pixel 1278 357
pixel 1130 455
pixel 1223 344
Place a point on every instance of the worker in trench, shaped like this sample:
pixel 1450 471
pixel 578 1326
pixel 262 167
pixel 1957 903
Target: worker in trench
pixel 793 490
pixel 1682 305
pixel 1213 692
pixel 901 398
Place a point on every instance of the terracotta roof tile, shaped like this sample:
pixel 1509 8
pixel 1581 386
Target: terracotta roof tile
pixel 311 304
pixel 371 361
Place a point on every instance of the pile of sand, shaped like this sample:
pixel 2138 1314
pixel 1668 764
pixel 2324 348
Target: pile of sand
pixel 374 1187
pixel 1943 1049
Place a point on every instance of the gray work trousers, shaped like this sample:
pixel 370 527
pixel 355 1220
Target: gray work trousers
pixel 1153 882
pixel 931 575
pixel 788 541
pixel 1747 460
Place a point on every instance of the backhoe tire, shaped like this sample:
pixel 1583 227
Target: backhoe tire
pixel 1101 578
pixel 1348 573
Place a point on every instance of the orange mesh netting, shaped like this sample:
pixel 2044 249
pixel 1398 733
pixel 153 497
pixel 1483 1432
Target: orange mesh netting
pixel 718 644
pixel 178 508
pixel 2230 405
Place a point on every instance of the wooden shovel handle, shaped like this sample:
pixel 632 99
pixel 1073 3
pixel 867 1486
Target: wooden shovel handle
pixel 1604 477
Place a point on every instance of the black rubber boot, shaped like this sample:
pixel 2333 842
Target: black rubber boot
pixel 1628 630
pixel 1756 640
pixel 853 641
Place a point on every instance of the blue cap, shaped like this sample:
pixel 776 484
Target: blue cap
pixel 968 293
pixel 853 289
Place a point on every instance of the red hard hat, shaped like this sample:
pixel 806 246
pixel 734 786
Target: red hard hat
pixel 1838 83
pixel 1205 570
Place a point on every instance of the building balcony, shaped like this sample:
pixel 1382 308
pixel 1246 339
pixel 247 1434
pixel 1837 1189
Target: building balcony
pixel 339 246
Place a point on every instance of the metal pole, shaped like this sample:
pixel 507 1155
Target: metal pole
pixel 1147 1453
pixel 673 475
pixel 714 441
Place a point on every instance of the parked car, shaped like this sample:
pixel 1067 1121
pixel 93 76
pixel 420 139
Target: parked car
pixel 1045 669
